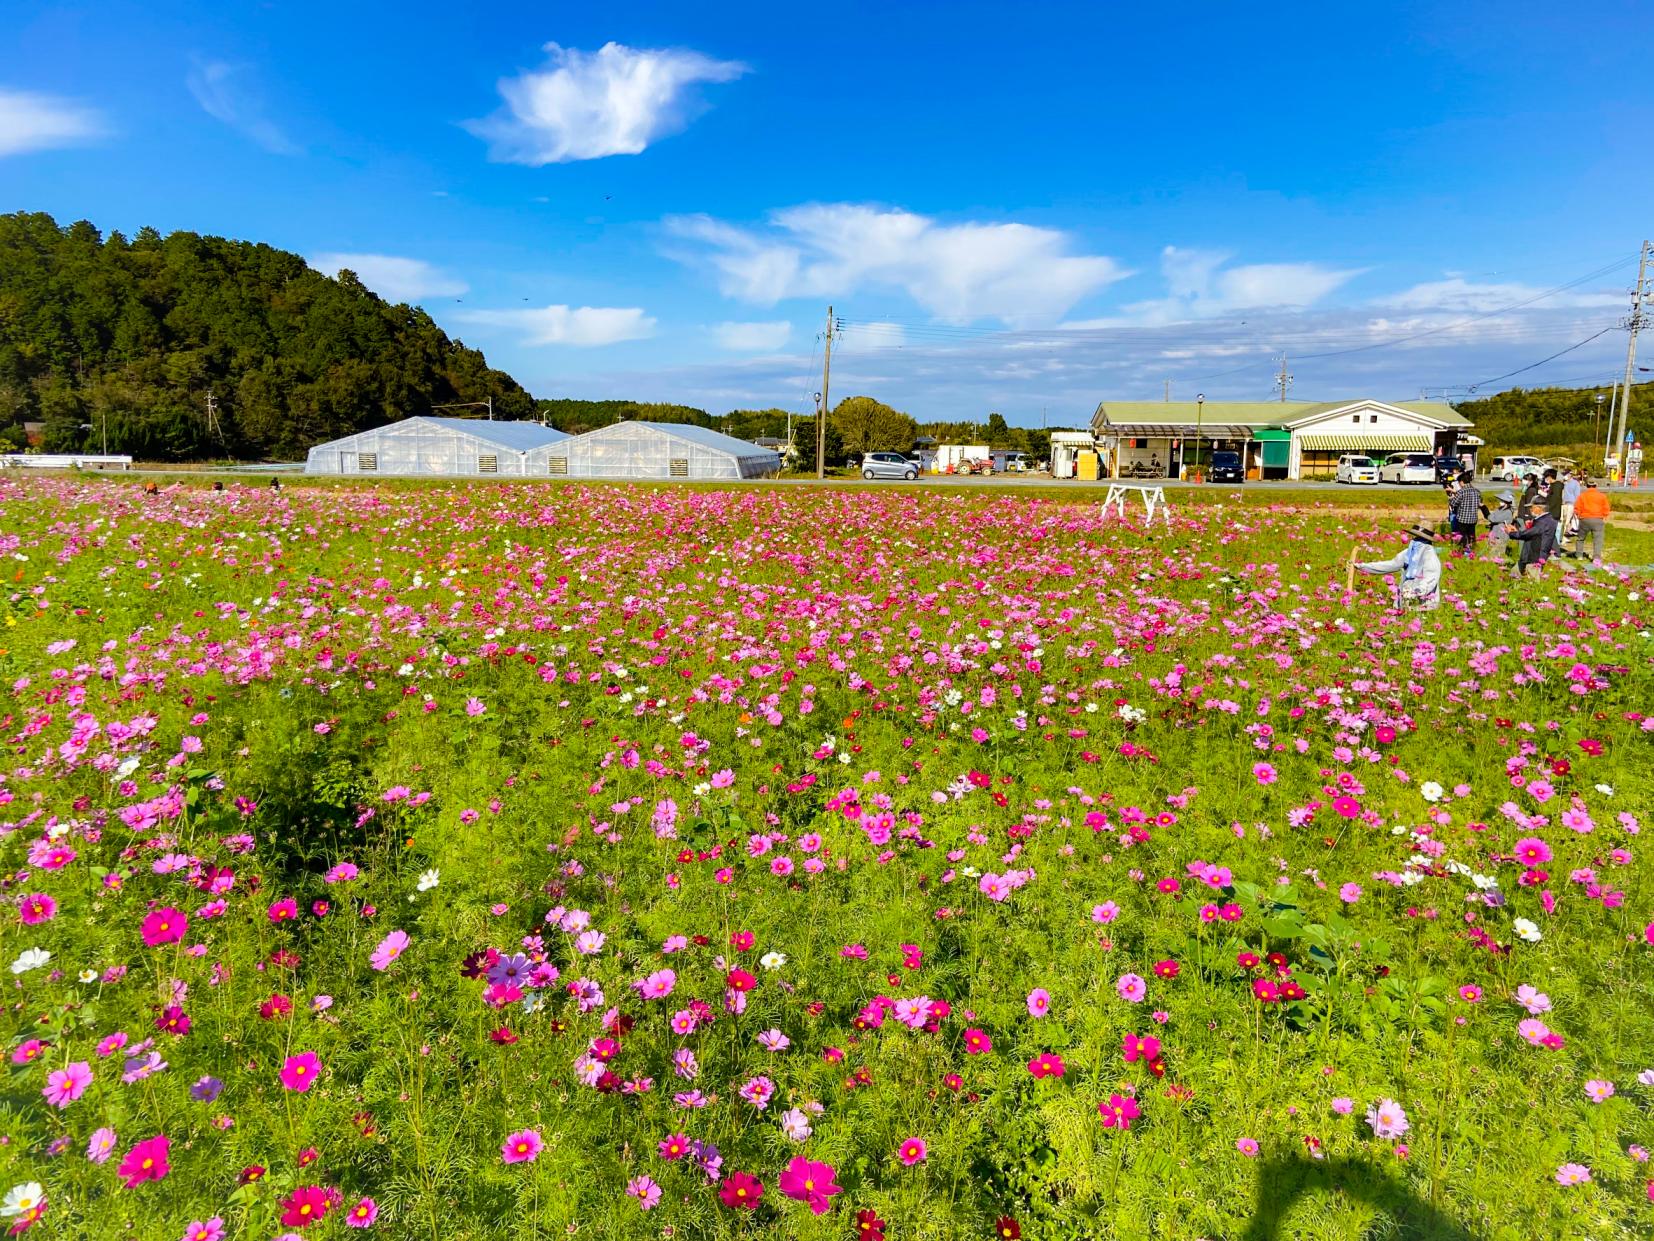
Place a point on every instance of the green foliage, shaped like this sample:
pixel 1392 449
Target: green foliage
pixel 130 337
pixel 865 425
pixel 1553 421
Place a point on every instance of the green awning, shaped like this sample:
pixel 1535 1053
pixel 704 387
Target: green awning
pixel 1271 433
pixel 1365 443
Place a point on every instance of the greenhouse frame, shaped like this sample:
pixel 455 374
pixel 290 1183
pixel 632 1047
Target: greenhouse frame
pixel 655 450
pixel 444 447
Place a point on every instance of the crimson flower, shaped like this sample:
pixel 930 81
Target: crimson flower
pixel 741 1191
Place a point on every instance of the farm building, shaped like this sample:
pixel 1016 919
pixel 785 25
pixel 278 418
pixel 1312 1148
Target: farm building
pixel 434 446
pixel 663 450
pixel 1274 439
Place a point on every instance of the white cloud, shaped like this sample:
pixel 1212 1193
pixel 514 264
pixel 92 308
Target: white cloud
pixel 1455 293
pixel 223 93
pixel 752 337
pixel 1199 284
pixel 568 325
pixel 392 277
pixel 587 105
pixel 31 122
pixel 1016 273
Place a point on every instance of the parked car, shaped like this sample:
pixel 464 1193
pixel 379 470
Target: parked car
pixel 1448 468
pixel 1355 468
pixel 1514 469
pixel 1226 467
pixel 1408 467
pixel 887 465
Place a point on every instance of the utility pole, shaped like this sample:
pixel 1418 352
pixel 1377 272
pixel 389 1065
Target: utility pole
pixel 821 419
pixel 1168 392
pixel 1618 431
pixel 1283 381
pixel 212 418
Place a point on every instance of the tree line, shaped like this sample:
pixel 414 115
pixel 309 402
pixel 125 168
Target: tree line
pixel 107 340
pixel 1546 421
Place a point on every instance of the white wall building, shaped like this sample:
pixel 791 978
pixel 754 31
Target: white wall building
pixel 445 447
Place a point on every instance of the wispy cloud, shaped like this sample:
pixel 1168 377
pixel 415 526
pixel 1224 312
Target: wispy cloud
pixel 1455 293
pixel 1200 284
pixel 226 94
pixel 752 337
pixel 33 122
pixel 588 105
pixel 391 276
pixel 1016 273
pixel 567 325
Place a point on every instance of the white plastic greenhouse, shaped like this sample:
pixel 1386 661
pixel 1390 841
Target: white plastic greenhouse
pixel 664 450
pixel 435 446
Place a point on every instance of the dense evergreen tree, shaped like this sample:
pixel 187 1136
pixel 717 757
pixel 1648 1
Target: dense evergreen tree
pixel 1555 420
pixel 129 337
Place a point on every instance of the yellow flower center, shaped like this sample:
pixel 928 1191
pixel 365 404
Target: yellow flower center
pixel 148 1164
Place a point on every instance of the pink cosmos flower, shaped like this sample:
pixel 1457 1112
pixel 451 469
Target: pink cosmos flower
pixel 1264 773
pixel 1350 893
pixel 912 1151
pixel 205 1229
pixel 1132 988
pixel 645 1190
pixel 362 1214
pixel 389 949
pixel 811 1183
pixel 523 1146
pixel 299 1072
pixel 65 1085
pixel 1387 1119
pixel 164 926
pixel 101 1145
pixel 1343 1106
pixel 1599 1091
pixel 1573 1174
pixel 1532 851
pixel 1039 1002
pixel 1247 1147
pixel 1107 912
pixel 658 985
pixel 36 908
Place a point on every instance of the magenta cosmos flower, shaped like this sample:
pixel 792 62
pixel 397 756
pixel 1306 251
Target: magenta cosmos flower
pixel 912 1151
pixel 521 1147
pixel 1118 1111
pixel 741 1191
pixel 1048 1064
pixel 391 947
pixel 300 1071
pixel 147 1161
pixel 164 926
pixel 36 908
pixel 306 1205
pixel 811 1183
pixel 976 1042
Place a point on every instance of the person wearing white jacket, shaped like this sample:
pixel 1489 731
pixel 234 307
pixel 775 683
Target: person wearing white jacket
pixel 1417 569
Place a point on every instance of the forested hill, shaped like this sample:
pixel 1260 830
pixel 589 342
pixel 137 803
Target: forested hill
pixel 1555 420
pixel 134 333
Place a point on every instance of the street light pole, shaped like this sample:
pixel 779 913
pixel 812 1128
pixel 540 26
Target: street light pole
pixel 1596 430
pixel 1200 418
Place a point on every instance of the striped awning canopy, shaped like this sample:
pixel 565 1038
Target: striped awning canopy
pixel 1366 443
pixel 1180 430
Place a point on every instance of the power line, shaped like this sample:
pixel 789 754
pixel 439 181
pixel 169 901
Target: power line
pixel 1532 365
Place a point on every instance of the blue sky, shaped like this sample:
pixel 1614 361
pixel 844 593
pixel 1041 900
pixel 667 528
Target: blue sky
pixel 1023 209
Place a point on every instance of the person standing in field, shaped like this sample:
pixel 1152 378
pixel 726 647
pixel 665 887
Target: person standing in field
pixel 1466 506
pixel 1571 487
pixel 1499 522
pixel 1591 514
pixel 1538 539
pixel 1417 568
pixel 1530 493
pixel 1551 489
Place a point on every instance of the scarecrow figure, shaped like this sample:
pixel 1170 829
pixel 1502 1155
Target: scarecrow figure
pixel 1417 568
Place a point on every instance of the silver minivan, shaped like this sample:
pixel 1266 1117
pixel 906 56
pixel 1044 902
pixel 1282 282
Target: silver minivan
pixel 887 465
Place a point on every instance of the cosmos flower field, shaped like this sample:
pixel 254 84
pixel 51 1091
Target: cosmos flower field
pixel 485 862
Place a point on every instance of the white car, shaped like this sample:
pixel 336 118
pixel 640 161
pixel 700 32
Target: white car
pixel 1515 469
pixel 1408 467
pixel 1354 468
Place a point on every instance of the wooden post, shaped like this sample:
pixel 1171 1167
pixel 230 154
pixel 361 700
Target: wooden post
pixel 1349 575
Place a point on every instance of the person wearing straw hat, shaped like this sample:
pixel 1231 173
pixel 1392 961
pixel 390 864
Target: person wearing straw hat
pixel 1499 521
pixel 1417 568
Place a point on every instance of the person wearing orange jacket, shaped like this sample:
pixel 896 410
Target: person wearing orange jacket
pixel 1591 512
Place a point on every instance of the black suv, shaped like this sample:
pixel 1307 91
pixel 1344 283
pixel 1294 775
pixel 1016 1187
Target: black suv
pixel 1226 468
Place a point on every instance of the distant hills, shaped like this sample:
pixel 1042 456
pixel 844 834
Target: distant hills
pixel 104 334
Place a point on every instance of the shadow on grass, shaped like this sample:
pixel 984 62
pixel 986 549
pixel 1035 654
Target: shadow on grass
pixel 1282 1182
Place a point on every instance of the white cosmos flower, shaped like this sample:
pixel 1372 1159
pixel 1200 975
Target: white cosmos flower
pixel 773 960
pixel 1431 791
pixel 1526 930
pixel 1607 790
pixel 429 879
pixel 89 976
pixel 20 1198
pixel 30 959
